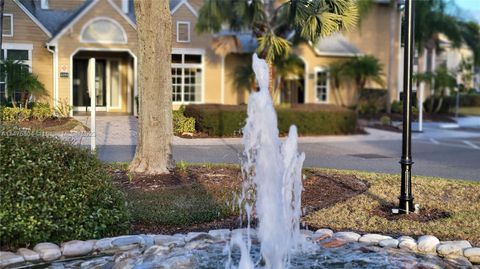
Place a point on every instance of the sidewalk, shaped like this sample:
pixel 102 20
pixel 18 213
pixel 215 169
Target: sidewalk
pixel 122 130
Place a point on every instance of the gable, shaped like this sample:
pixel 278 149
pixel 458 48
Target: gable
pixel 97 8
pixel 25 28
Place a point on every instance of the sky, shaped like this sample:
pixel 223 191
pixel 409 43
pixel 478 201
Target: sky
pixel 470 9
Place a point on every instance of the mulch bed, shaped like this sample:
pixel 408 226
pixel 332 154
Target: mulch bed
pixel 321 190
pixel 424 214
pixel 33 124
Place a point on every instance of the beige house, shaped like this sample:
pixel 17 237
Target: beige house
pixel 55 38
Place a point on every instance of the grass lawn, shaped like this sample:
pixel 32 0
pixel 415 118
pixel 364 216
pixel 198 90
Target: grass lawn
pixel 199 197
pixel 460 199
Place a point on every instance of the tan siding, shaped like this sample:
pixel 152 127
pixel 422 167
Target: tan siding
pixel 212 62
pixel 233 95
pixel 196 4
pixel 65 4
pixel 70 41
pixel 27 32
pixel 373 37
pixel 313 62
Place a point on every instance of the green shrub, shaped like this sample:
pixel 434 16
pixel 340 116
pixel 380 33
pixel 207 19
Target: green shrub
pixel 182 124
pixel 218 120
pixel 225 120
pixel 15 114
pixel 397 107
pixel 449 102
pixel 42 111
pixel 372 101
pixel 385 120
pixel 63 109
pixel 54 191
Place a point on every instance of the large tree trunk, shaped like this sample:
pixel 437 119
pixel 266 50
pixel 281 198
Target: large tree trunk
pixel 155 131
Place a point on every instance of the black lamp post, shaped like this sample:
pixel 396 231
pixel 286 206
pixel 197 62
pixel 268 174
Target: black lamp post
pixel 406 198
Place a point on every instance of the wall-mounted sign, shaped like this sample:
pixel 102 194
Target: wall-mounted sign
pixel 64 71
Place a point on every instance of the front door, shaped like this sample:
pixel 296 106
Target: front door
pixel 81 96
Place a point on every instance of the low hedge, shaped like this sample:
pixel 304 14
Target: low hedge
pixel 228 120
pixel 449 102
pixel 54 191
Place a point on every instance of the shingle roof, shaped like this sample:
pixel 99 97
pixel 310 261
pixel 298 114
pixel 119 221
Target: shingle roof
pixel 53 20
pixel 336 44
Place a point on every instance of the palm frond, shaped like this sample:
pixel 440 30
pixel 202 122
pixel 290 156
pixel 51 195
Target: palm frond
pixel 271 46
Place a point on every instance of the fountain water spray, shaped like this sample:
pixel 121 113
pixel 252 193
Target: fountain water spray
pixel 272 180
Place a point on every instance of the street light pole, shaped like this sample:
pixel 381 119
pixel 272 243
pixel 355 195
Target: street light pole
pixel 406 198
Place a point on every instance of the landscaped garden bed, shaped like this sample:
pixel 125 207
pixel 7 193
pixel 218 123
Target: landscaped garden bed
pixel 201 197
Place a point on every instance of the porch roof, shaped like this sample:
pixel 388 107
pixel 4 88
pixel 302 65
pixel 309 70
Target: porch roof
pixel 335 45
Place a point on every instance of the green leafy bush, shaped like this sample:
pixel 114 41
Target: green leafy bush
pixel 397 107
pixel 63 109
pixel 226 120
pixel 15 113
pixel 449 102
pixel 54 191
pixel 42 111
pixel 385 120
pixel 372 101
pixel 182 124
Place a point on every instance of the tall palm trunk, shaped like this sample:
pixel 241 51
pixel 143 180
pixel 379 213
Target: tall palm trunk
pixel 155 131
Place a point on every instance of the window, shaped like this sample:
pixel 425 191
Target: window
pixel 103 30
pixel 7 25
pixel 321 86
pixel 183 31
pixel 15 52
pixel 44 4
pixel 186 77
pixel 125 6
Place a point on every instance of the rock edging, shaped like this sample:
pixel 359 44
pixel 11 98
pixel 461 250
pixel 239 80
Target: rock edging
pixel 460 251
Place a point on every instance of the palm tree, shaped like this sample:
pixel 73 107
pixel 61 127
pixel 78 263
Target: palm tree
pixel 285 68
pixel 20 80
pixel 360 70
pixel 440 80
pixel 431 20
pixel 278 25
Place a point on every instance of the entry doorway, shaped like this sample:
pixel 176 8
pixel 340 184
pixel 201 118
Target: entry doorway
pixel 81 95
pixel 114 81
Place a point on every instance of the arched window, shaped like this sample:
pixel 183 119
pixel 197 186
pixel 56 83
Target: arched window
pixel 103 30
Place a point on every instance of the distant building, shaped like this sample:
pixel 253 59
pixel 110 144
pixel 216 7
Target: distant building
pixel 55 38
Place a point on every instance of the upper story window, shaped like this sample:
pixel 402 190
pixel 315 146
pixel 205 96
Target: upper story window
pixel 44 4
pixel 7 25
pixel 321 86
pixel 103 30
pixel 183 31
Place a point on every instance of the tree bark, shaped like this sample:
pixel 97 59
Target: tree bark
pixel 155 131
pixel 391 56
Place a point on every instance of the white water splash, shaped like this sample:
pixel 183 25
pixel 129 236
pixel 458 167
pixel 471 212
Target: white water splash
pixel 272 178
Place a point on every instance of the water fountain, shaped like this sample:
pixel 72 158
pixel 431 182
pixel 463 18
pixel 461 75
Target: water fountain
pixel 272 179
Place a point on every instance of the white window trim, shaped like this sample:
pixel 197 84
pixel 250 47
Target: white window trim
pixel 327 92
pixel 11 24
pixel 18 46
pixel 125 7
pixel 188 26
pixel 184 51
pixel 44 4
pixel 103 42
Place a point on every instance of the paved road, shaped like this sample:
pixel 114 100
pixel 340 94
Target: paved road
pixel 439 151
